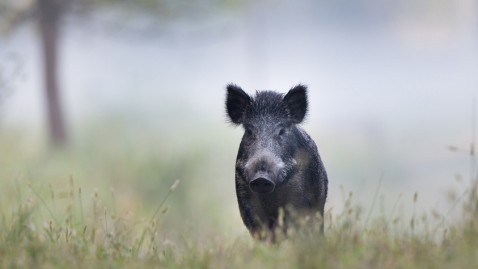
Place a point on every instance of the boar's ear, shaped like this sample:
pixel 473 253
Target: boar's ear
pixel 296 102
pixel 236 103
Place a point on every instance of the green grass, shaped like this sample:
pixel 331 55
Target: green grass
pixel 113 201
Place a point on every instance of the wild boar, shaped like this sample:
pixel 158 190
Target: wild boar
pixel 278 167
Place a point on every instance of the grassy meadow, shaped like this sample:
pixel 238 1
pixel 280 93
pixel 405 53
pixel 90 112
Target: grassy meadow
pixel 132 199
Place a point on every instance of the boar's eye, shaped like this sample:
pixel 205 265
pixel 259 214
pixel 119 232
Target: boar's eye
pixel 281 131
pixel 249 130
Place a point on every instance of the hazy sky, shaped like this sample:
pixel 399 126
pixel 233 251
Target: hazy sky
pixel 390 86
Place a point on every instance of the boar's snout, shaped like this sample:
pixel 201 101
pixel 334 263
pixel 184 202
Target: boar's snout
pixel 262 184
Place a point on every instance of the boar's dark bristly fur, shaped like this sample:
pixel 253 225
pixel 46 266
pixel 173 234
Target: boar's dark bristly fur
pixel 278 165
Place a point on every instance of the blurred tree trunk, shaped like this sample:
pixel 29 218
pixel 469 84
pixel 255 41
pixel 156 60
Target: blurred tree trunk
pixel 49 15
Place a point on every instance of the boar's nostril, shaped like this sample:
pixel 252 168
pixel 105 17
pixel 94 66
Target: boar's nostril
pixel 262 185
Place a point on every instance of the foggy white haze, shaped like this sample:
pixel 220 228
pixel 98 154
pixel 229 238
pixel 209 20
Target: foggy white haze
pixel 390 87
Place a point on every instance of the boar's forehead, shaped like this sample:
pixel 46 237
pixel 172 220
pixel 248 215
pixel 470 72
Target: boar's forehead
pixel 267 107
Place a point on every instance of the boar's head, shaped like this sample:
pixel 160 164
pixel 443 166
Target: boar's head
pixel 266 154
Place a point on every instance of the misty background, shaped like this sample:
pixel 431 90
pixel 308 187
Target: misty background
pixel 391 88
